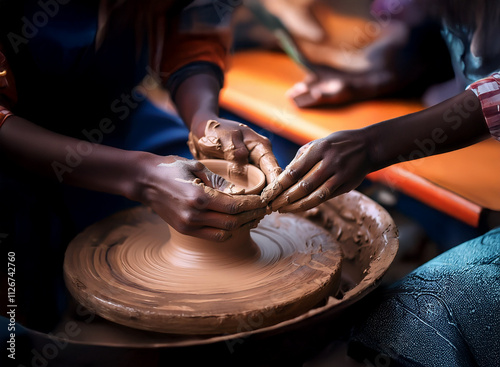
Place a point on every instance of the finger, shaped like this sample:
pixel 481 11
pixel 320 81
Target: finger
pixel 219 235
pixel 235 151
pixel 209 147
pixel 194 146
pixel 332 91
pixel 307 93
pixel 302 150
pixel 305 99
pixel 211 234
pixel 229 222
pixel 297 89
pixel 276 187
pixel 271 191
pixel 305 186
pixel 232 204
pixel 300 165
pixel 262 156
pixel 320 195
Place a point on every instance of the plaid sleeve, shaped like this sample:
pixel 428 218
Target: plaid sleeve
pixel 488 92
pixel 199 37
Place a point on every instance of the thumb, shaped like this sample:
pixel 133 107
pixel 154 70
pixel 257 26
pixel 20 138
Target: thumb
pixel 237 153
pixel 217 182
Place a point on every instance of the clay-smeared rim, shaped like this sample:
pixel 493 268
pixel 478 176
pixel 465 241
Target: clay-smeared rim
pixel 386 232
pixel 256 178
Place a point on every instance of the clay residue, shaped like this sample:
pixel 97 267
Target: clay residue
pixel 249 180
pixel 152 281
pixel 358 227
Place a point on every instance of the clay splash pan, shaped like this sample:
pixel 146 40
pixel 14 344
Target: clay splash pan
pixel 364 231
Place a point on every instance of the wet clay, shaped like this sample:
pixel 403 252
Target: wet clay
pixel 251 181
pixel 130 269
pixel 346 217
pixel 134 270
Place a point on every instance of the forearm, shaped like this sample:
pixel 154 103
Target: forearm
pixel 72 161
pixel 452 124
pixel 197 100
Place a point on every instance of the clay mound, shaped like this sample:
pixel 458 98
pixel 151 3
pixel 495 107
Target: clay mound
pixel 129 269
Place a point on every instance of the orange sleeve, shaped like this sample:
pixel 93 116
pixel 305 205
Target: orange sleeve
pixel 201 32
pixel 186 49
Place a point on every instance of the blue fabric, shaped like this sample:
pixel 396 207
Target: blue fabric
pixel 69 86
pixel 148 129
pixel 445 313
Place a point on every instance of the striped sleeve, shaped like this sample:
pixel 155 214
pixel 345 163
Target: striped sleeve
pixel 488 92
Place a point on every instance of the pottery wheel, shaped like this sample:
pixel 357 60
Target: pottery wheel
pixel 126 270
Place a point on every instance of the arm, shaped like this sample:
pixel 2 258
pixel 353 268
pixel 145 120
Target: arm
pixel 213 137
pixel 202 210
pixel 453 124
pixel 194 77
pixel 193 206
pixel 338 163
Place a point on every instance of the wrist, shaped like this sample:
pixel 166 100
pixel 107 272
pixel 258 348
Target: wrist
pixel 197 100
pixel 373 136
pixel 199 122
pixel 142 182
pixel 139 178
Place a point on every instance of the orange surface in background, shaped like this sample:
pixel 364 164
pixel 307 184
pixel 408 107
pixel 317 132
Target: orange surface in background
pixel 460 183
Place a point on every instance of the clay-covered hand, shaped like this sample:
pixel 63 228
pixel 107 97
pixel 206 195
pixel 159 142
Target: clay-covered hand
pixel 237 143
pixel 192 200
pixel 321 170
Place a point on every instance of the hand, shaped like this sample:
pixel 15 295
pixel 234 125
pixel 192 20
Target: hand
pixel 331 86
pixel 191 199
pixel 321 170
pixel 387 64
pixel 234 142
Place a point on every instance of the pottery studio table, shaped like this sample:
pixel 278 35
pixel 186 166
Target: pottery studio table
pixel 463 184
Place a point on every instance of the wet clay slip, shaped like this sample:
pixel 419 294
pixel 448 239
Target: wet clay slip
pixel 252 180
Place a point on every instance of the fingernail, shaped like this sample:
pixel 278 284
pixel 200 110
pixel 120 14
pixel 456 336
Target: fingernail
pixel 280 201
